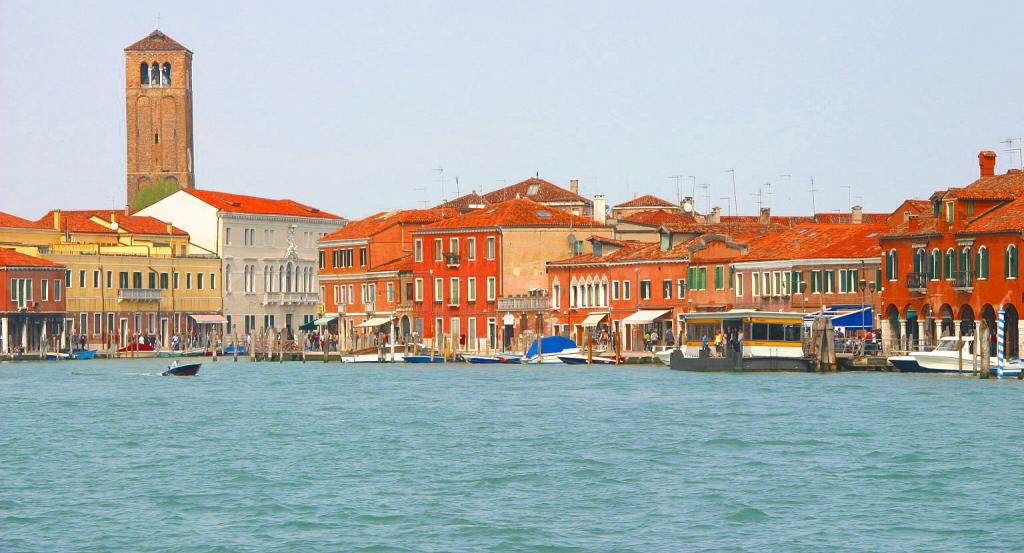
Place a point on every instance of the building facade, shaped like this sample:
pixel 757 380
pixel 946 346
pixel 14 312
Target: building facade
pixel 268 250
pixel 32 303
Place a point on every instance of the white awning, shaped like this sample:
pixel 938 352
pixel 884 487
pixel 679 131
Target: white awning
pixel 325 320
pixel 643 317
pixel 594 318
pixel 375 321
pixel 209 319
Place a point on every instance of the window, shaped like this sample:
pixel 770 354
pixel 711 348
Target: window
pixel 57 287
pixel 935 265
pixel 199 281
pixel 815 282
pixel 666 289
pixel 796 281
pixel 949 212
pixel 645 289
pixel 44 290
pixel 981 263
pixel 949 264
pixel 453 245
pixel 830 281
pixel 81 279
pixel 96 279
pixel 321 258
pixel 438 249
pixel 391 291
pixel 213 281
pixel 766 283
pixel 471 289
pixel 418 249
pixel 419 289
pixel 626 293
pixel 965 262
pixel 122 279
pixel 137 279
pixel 438 290
pixel 471 248
pixel 1010 262
pixel 188 281
pixel 490 247
pixel 681 288
pixel 227 236
pixel 492 288
pixel 453 298
pixel 891 265
pixel 755 283
pixel 144 73
pixel 110 279
pixel 719 277
pixel 362 257
pixel 615 290
pixel 739 284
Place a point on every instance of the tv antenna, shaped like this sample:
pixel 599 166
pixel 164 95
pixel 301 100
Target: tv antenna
pixel 679 196
pixel 426 201
pixel 693 188
pixel 707 194
pixel 727 204
pixel 760 198
pixel 440 170
pixel 768 192
pixel 814 209
pixel 1009 148
pixel 458 193
pixel 733 172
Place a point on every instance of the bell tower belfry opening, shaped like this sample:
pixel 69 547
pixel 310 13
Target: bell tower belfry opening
pixel 158 106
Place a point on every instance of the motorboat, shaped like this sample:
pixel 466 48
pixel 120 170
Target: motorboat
pixel 665 356
pixel 389 357
pixel 428 358
pixel 188 369
pixel 772 341
pixel 483 359
pixel 197 352
pixel 58 356
pixel 137 351
pixel 84 354
pixel 510 358
pixel 549 348
pixel 951 355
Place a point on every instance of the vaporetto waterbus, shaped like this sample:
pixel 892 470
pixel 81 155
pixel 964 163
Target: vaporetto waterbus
pixel 771 341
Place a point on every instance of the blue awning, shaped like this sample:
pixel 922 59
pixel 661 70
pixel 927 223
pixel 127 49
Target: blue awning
pixel 858 319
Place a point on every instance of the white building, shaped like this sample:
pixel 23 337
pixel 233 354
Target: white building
pixel 267 247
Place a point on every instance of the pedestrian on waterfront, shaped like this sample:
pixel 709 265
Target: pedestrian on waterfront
pixel 704 342
pixel 669 340
pixel 654 339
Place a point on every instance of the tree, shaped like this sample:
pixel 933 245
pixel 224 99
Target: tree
pixel 155 192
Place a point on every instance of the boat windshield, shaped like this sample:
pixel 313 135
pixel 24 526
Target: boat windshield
pixel 946 345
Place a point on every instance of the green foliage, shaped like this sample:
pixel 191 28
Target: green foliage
pixel 154 193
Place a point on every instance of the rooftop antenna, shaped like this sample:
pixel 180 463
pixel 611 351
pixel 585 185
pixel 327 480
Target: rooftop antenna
pixel 733 171
pixel 760 200
pixel 157 21
pixel 813 190
pixel 769 193
pixel 789 187
pixel 441 171
pixel 1009 148
pixel 679 196
pixel 707 194
pixel 693 188
pixel 426 201
pixel 727 204
pixel 849 196
pixel 458 193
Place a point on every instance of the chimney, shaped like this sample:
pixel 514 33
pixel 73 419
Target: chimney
pixel 987 162
pixel 716 215
pixel 857 215
pixel 574 186
pixel 113 217
pixel 912 223
pixel 600 208
pixel 766 215
pixel 127 210
pixel 56 219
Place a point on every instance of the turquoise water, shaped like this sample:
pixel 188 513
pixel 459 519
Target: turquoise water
pixel 105 456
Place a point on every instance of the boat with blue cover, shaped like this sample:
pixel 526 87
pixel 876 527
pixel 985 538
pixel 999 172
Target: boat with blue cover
pixel 548 348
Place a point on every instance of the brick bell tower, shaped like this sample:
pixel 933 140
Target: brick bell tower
pixel 158 102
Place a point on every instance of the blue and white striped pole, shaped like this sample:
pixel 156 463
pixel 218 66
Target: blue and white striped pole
pixel 1000 342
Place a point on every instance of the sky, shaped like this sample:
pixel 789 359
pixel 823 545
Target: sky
pixel 354 106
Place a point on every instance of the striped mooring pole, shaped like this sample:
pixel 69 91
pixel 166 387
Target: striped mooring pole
pixel 1000 342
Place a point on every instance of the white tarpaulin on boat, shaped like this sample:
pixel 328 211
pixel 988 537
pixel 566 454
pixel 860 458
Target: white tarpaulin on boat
pixel 375 321
pixel 594 318
pixel 325 320
pixel 644 317
pixel 209 319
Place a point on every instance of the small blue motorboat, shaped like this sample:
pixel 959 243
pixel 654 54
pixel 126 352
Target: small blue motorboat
pixel 85 354
pixel 425 359
pixel 483 359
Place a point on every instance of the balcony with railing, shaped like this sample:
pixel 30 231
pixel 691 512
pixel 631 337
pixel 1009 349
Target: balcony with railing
pixel 291 298
pixel 963 281
pixel 532 303
pixel 139 294
pixel 917 283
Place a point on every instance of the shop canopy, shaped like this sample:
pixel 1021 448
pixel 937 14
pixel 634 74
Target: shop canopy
pixel 311 325
pixel 209 319
pixel 324 321
pixel 855 317
pixel 644 317
pixel 593 319
pixel 375 321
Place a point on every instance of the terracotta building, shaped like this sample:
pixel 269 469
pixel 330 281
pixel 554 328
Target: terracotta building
pixel 32 303
pixel 958 263
pixel 158 106
pixel 480 278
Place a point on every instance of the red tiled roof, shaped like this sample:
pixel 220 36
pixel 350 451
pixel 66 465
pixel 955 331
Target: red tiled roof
pixel 631 250
pixel 466 201
pixel 996 187
pixel 369 226
pixel 818 241
pixel 403 263
pixel 536 189
pixel 238 203
pixel 1008 217
pixel 658 217
pixel 520 212
pixel 156 42
pixel 13 221
pixel 80 220
pixel 11 258
pixel 647 200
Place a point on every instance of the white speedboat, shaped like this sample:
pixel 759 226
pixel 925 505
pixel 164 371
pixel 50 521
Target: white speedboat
pixel 946 357
pixel 373 358
pixel 665 356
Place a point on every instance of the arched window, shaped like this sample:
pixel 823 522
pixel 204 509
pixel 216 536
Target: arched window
pixel 288 279
pixel 1010 265
pixel 280 278
pixel 981 263
pixel 268 279
pixel 920 264
pixel 154 73
pixel 935 267
pixel 949 264
pixel 891 269
pixel 167 74
pixel 144 73
pixel 227 278
pixel 965 264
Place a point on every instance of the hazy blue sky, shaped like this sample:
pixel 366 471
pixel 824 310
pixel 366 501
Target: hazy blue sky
pixel 350 106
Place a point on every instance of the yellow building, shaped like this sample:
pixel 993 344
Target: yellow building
pixel 127 275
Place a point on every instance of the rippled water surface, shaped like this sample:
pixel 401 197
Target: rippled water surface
pixel 106 456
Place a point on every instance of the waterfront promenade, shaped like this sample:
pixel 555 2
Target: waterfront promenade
pixel 106 456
